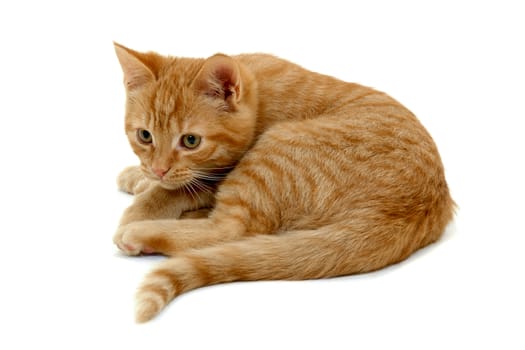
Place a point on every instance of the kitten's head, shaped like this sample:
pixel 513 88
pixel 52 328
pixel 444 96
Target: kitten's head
pixel 187 119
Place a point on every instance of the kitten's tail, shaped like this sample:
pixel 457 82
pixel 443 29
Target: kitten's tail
pixel 327 252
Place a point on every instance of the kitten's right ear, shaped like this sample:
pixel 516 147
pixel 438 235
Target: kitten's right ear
pixel 135 67
pixel 220 78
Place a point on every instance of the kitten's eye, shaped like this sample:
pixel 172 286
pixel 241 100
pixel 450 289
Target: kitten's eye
pixel 191 141
pixel 144 136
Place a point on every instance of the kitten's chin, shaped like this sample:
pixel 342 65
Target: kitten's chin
pixel 170 186
pixel 165 184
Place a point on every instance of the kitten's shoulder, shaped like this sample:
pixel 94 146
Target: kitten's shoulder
pixel 264 63
pixel 259 59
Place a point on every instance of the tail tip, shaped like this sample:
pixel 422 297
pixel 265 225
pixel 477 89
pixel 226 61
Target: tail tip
pixel 146 309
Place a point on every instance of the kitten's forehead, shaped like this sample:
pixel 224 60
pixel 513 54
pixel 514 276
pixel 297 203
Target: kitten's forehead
pixel 175 83
pixel 171 101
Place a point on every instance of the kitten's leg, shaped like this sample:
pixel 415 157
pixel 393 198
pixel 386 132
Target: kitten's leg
pixel 170 236
pixel 159 203
pixel 133 181
pixel 234 217
pixel 240 211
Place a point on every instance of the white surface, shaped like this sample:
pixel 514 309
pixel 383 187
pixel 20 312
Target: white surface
pixel 459 66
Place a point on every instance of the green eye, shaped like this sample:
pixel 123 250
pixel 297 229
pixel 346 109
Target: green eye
pixel 144 136
pixel 191 141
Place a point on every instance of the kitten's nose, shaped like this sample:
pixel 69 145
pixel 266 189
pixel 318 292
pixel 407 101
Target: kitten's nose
pixel 160 172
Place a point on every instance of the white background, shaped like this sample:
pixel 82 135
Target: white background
pixel 458 65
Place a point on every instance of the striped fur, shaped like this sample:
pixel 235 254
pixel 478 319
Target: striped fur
pixel 298 175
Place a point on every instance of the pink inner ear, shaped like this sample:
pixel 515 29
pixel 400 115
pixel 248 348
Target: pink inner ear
pixel 220 79
pixel 223 81
pixel 226 74
pixel 229 80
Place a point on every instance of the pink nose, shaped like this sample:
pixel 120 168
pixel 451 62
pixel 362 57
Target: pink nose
pixel 160 172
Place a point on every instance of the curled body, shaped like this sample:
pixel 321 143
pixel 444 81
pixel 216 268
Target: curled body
pixel 253 168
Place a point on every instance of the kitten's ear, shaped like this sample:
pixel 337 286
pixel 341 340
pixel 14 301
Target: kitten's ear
pixel 220 78
pixel 136 67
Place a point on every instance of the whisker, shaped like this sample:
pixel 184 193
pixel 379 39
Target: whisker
pixel 189 188
pixel 215 168
pixel 201 186
pixel 209 176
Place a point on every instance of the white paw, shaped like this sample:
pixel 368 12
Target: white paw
pixel 132 180
pixel 130 239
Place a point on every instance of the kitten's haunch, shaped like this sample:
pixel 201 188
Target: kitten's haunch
pixel 254 168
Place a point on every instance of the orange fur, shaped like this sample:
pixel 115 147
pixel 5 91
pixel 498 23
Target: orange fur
pixel 295 175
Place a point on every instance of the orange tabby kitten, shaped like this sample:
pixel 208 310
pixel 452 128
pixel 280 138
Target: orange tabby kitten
pixel 278 172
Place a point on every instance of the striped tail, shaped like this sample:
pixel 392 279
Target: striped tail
pixel 327 252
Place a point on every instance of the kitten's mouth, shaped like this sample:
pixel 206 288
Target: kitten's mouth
pixel 170 182
pixel 165 183
pixel 193 181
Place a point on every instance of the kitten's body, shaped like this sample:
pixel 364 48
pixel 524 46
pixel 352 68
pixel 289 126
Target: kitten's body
pixel 307 176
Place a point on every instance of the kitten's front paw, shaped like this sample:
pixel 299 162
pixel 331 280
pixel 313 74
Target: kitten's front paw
pixel 144 237
pixel 130 239
pixel 131 180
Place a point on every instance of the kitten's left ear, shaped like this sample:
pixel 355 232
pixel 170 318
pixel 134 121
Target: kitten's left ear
pixel 220 78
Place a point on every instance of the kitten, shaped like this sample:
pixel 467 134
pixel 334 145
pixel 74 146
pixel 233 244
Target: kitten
pixel 278 172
